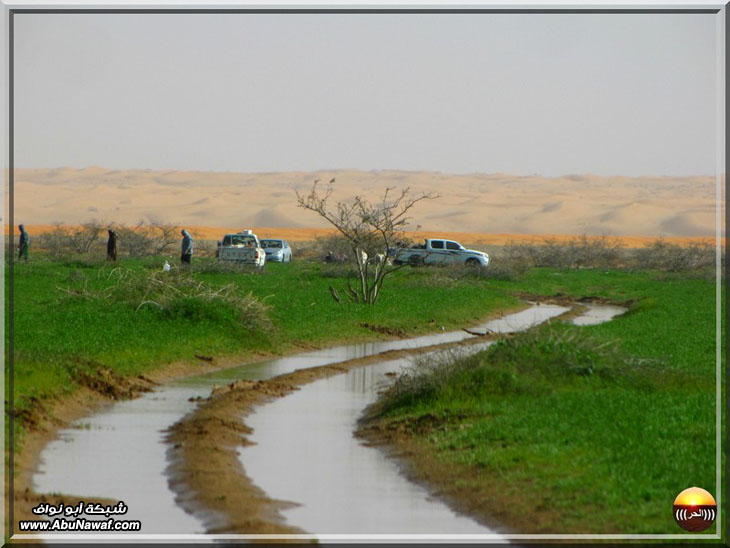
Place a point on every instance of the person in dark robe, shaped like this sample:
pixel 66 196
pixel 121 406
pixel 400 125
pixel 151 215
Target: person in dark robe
pixel 111 246
pixel 23 243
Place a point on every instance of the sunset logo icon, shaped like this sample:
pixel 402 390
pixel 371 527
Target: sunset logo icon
pixel 694 509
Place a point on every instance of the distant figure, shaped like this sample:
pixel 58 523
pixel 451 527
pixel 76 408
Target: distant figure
pixel 111 246
pixel 23 243
pixel 187 247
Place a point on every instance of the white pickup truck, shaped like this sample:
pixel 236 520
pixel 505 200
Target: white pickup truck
pixel 441 252
pixel 243 247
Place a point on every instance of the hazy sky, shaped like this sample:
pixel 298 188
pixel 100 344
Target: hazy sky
pixel 527 93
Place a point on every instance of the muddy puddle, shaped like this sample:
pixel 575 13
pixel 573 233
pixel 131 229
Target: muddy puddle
pixel 598 313
pixel 119 452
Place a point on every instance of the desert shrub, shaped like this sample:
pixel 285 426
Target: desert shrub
pixel 64 241
pixel 305 251
pixel 526 254
pixel 144 240
pixel 593 251
pixel 662 255
pixel 579 252
pixel 603 252
pixel 555 254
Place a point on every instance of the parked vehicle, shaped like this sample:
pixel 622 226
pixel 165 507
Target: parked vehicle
pixel 276 250
pixel 243 247
pixel 443 252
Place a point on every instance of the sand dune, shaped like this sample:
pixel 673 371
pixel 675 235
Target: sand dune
pixel 473 203
pixel 274 217
pixel 690 223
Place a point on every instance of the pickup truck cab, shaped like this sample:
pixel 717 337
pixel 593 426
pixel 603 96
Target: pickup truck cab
pixel 437 251
pixel 243 247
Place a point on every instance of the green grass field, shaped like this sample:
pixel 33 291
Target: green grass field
pixel 611 443
pixel 81 315
pixel 593 429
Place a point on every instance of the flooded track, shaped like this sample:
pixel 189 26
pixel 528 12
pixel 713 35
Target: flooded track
pixel 119 453
pixel 305 452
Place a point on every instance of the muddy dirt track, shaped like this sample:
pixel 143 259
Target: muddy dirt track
pixel 204 455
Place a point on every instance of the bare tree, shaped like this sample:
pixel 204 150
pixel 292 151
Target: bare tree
pixel 371 230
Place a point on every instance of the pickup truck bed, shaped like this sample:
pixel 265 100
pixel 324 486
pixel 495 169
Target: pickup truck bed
pixel 243 247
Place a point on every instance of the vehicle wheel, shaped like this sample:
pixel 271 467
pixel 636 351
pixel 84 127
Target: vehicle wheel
pixel 472 262
pixel 415 260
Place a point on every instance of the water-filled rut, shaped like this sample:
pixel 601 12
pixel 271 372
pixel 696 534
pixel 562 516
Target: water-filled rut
pixel 120 452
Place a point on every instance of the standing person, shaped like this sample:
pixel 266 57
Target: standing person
pixel 187 247
pixel 111 246
pixel 23 243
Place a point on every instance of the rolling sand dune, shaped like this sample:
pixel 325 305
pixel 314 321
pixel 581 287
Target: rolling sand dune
pixel 474 203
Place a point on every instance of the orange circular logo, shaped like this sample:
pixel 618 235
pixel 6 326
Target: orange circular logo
pixel 694 509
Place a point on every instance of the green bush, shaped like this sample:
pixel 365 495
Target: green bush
pixel 175 294
pixel 538 361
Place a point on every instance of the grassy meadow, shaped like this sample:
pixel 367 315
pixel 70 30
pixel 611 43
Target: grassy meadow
pixel 591 429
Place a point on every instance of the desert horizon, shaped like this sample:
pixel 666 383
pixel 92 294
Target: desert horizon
pixel 303 235
pixel 478 204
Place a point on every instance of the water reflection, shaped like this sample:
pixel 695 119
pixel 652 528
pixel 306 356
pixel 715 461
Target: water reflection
pixel 305 452
pixel 596 314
